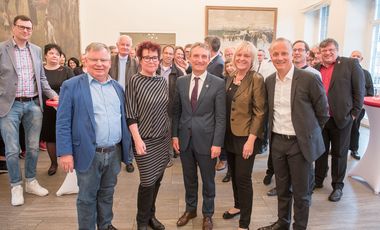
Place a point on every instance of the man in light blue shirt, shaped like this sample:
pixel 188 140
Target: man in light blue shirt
pixel 93 136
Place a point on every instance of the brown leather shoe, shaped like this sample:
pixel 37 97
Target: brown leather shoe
pixel 207 223
pixel 185 218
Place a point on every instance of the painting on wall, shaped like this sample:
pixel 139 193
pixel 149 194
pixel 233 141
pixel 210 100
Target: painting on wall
pixel 236 24
pixel 53 22
pixel 160 38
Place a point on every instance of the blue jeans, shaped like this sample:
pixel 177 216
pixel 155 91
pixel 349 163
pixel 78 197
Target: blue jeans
pixel 96 189
pixel 31 116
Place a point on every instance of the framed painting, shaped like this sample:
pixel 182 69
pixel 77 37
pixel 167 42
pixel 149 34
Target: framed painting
pixel 53 22
pixel 235 24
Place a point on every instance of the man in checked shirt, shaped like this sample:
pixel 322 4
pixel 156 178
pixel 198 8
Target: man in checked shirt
pixel 22 83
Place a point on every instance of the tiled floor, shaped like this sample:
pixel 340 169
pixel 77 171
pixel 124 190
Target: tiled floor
pixel 358 209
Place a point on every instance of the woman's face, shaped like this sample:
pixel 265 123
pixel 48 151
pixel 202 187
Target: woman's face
pixel 178 55
pixel 52 57
pixel 230 68
pixel 149 62
pixel 72 64
pixel 243 60
pixel 62 59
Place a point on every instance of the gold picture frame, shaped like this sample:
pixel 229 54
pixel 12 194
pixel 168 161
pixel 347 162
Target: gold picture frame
pixel 235 24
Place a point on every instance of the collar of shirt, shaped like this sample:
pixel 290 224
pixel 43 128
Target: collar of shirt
pixel 213 57
pixel 123 58
pixel 15 44
pixel 202 77
pixel 288 76
pixel 91 79
pixel 165 68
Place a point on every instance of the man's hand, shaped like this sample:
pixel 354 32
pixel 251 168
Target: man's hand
pixel 215 151
pixel 175 144
pixel 67 163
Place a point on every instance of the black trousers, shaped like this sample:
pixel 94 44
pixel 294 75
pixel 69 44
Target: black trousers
pixel 293 174
pixel 146 202
pixel 354 141
pixel 339 139
pixel 191 159
pixel 270 169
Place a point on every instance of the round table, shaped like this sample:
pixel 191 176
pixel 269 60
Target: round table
pixel 69 185
pixel 368 168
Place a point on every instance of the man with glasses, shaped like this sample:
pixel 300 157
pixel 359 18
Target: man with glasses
pixel 22 83
pixel 123 67
pixel 343 80
pixel 300 53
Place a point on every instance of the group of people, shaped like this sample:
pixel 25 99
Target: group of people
pixel 191 102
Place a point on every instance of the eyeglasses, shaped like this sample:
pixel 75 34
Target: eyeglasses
pixel 96 60
pixel 299 50
pixel 24 28
pixel 328 50
pixel 148 59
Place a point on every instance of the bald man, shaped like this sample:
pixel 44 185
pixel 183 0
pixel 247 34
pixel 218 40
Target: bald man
pixel 354 142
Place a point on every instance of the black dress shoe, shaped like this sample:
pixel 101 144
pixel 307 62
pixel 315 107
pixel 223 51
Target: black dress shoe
pixel 227 178
pixel 268 179
pixel 272 192
pixel 317 186
pixel 130 168
pixel 275 226
pixel 336 195
pixel 227 215
pixel 156 224
pixel 53 169
pixel 355 155
pixel 109 227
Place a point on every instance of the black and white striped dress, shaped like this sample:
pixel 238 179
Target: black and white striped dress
pixel 147 104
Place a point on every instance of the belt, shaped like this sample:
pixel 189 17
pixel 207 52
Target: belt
pixel 287 137
pixel 25 99
pixel 107 149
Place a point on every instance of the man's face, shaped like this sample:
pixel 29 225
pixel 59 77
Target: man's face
pixel 199 59
pixel 228 53
pixel 299 53
pixel 281 55
pixel 357 55
pixel 187 53
pixel 329 54
pixel 168 55
pixel 124 46
pixel 98 63
pixel 22 30
pixel 260 56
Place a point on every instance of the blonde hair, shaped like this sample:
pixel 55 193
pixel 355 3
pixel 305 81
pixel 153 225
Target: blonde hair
pixel 247 46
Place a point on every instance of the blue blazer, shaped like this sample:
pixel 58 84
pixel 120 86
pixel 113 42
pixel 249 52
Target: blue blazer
pixel 75 127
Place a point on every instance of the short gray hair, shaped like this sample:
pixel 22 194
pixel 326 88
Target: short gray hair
pixel 97 46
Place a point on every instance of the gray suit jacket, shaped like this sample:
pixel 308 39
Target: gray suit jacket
pixel 309 111
pixel 130 69
pixel 9 73
pixel 207 124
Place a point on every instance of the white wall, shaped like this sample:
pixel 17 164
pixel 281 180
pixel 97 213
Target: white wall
pixel 103 22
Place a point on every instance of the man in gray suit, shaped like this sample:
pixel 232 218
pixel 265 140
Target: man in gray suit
pixel 22 83
pixel 123 67
pixel 297 113
pixel 198 132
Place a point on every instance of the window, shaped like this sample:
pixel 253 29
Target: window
pixel 375 51
pixel 323 20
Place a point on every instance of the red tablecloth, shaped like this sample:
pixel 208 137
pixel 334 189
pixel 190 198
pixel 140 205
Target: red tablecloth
pixel 372 101
pixel 52 103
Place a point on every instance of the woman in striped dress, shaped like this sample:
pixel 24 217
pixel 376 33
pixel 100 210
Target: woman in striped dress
pixel 148 120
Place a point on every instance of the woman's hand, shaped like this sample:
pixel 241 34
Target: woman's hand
pixel 248 146
pixel 181 62
pixel 140 147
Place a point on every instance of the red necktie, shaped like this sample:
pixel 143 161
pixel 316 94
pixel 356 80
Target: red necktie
pixel 194 94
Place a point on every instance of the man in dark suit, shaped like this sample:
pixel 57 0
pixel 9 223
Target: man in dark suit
pixel 123 67
pixel 216 64
pixel 93 136
pixel 297 113
pixel 369 91
pixel 22 84
pixel 343 80
pixel 198 132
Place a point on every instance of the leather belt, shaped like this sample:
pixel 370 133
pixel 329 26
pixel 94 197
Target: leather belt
pixel 287 137
pixel 25 99
pixel 107 149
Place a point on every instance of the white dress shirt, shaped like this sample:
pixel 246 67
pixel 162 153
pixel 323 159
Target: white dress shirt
pixel 282 110
pixel 201 80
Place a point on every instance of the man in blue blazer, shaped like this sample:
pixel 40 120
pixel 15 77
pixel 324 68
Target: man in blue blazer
pixel 199 123
pixel 93 136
